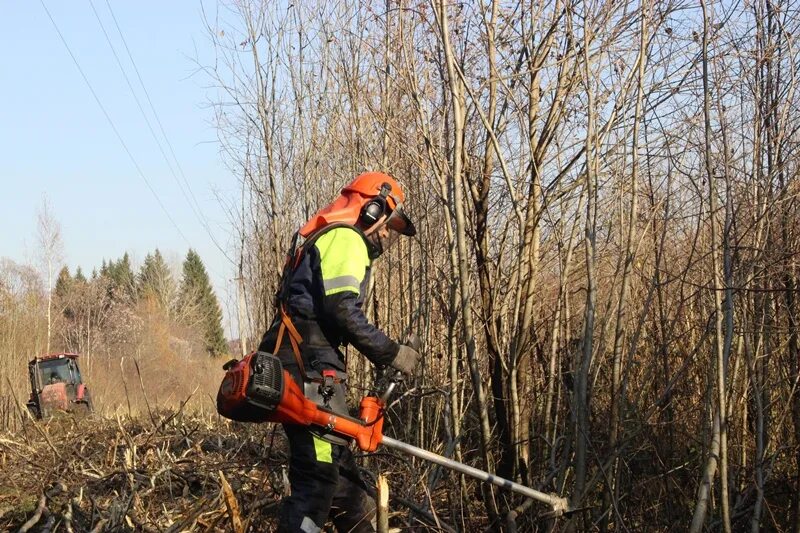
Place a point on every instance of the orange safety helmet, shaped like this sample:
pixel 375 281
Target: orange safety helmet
pixel 367 198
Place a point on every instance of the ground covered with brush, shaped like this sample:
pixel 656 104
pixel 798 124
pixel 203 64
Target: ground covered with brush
pixel 166 472
pixel 169 473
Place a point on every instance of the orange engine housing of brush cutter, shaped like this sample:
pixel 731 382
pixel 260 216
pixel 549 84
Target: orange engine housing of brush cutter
pixel 258 389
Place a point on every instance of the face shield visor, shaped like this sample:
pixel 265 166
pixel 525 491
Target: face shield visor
pixel 383 240
pixel 399 222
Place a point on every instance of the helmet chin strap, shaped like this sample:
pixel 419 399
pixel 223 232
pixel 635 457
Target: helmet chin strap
pixel 373 236
pixel 376 226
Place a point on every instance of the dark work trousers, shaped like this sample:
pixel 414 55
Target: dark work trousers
pixel 325 483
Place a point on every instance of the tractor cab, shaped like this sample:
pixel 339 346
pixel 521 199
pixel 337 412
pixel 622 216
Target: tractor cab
pixel 56 385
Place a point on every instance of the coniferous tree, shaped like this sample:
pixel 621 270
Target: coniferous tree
pixel 63 283
pixel 155 281
pixel 123 282
pixel 64 291
pixel 107 273
pixel 79 277
pixel 197 297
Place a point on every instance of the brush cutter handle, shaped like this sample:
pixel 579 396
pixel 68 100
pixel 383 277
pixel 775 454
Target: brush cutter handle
pixel 412 341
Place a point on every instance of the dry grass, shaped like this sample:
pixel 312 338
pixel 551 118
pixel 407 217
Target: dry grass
pixel 176 473
pixel 150 458
pixel 121 474
pixel 136 385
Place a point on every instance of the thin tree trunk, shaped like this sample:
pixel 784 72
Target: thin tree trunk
pixel 582 436
pixel 457 102
pixel 709 472
pixel 719 437
pixel 792 312
pixel 484 264
pixel 560 320
pixel 49 301
pixel 756 384
pixel 617 401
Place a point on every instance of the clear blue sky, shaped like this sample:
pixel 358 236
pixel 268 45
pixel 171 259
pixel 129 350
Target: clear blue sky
pixel 55 140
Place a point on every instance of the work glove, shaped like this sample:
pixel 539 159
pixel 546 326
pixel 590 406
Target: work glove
pixel 406 359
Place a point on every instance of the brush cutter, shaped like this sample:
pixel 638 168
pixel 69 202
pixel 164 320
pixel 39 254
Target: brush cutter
pixel 258 389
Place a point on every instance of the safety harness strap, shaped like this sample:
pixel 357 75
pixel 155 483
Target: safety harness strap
pixel 294 256
pixel 295 339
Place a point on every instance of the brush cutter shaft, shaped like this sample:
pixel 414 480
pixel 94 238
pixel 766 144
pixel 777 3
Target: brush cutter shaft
pixel 558 504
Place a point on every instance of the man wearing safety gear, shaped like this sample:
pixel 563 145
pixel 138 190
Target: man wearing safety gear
pixel 319 310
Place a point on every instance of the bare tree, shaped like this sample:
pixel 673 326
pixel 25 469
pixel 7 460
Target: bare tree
pixel 457 93
pixel 525 132
pixel 50 253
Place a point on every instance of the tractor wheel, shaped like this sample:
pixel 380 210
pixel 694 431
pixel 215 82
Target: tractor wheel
pixel 81 409
pixel 34 411
pixel 84 407
pixel 89 403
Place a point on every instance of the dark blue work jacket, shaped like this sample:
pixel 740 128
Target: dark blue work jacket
pixel 324 298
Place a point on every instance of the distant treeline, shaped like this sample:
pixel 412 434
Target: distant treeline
pixel 127 325
pixel 191 301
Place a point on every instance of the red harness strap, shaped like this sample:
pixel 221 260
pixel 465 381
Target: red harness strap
pixel 294 338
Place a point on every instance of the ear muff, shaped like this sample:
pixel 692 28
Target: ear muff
pixel 371 212
pixel 376 207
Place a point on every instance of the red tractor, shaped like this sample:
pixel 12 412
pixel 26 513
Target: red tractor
pixel 56 385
